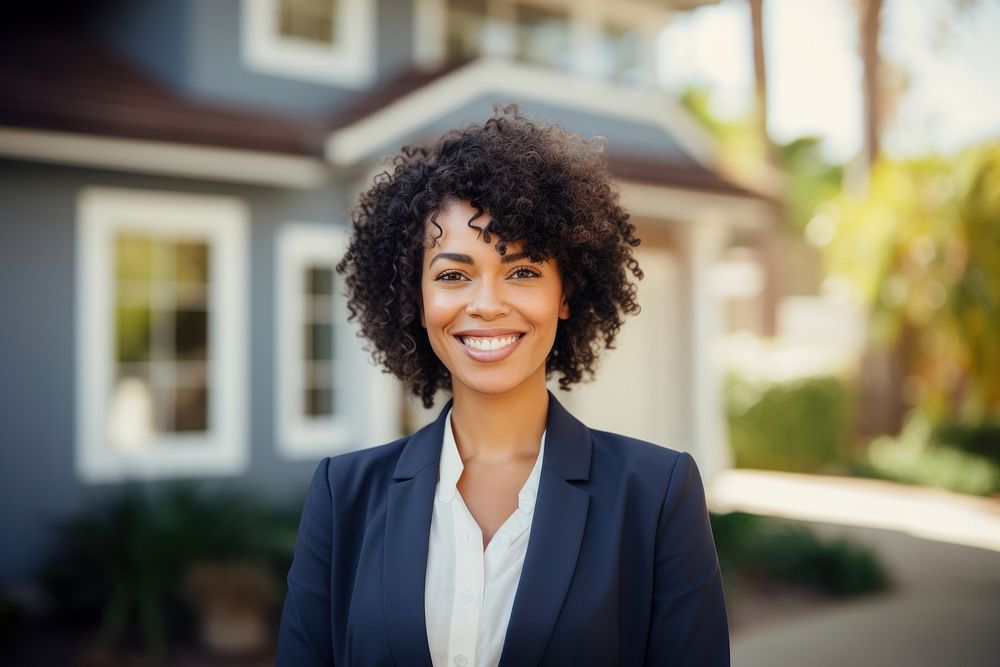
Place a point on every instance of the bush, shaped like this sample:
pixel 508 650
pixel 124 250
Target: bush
pixel 920 456
pixel 981 439
pixel 127 561
pixel 750 545
pixel 797 425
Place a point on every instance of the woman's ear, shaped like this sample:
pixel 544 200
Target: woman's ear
pixel 564 307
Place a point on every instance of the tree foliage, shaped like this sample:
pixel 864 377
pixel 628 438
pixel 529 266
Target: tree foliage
pixel 923 251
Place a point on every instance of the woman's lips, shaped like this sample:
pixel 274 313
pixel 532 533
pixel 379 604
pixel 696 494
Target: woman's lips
pixel 489 348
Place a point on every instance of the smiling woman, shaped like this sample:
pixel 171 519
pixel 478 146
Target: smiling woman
pixel 506 532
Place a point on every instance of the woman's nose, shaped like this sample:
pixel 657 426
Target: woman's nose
pixel 488 302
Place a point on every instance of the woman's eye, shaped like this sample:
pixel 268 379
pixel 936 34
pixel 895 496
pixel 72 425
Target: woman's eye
pixel 450 276
pixel 525 272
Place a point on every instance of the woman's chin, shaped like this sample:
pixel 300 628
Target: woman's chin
pixel 492 385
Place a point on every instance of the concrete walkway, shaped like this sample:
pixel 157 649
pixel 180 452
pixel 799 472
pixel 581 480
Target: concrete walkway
pixel 944 607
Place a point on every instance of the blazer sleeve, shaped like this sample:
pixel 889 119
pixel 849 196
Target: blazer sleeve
pixel 689 625
pixel 304 636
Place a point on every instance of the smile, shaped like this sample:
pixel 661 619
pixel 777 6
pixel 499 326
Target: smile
pixel 489 349
pixel 487 343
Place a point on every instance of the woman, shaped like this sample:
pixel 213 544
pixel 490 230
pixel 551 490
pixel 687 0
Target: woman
pixel 506 532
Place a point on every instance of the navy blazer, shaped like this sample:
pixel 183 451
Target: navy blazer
pixel 621 568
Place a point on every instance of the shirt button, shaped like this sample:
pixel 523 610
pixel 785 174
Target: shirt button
pixel 467 597
pixel 503 541
pixel 461 661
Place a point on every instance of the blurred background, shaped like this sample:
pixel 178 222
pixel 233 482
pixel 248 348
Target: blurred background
pixel 817 186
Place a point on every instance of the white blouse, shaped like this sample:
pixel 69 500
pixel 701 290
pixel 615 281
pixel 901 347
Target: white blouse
pixel 469 593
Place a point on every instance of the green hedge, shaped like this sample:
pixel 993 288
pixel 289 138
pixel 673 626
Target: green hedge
pixel 954 458
pixel 799 425
pixel 787 551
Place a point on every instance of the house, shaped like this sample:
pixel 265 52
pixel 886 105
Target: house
pixel 174 180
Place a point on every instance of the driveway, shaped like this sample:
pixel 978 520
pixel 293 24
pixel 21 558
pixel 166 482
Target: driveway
pixel 944 607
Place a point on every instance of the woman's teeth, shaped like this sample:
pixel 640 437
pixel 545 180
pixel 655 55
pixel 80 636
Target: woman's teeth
pixel 489 343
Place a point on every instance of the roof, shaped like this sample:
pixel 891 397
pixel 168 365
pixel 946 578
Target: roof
pixel 647 161
pixel 68 82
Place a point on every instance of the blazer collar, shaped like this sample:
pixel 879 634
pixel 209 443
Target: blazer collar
pixel 553 545
pixel 567 444
pixel 423 448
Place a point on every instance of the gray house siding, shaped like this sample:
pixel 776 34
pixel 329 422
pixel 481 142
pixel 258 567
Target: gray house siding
pixel 195 47
pixel 38 483
pixel 153 35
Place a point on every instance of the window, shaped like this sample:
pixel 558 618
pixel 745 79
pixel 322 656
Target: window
pixel 323 41
pixel 161 335
pixel 610 40
pixel 543 36
pixel 522 31
pixel 465 29
pixel 317 354
pixel 317 351
pixel 622 53
pixel 311 20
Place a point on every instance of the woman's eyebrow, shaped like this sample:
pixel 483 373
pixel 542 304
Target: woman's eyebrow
pixel 453 256
pixel 465 259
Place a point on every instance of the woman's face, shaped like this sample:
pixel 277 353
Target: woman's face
pixel 491 320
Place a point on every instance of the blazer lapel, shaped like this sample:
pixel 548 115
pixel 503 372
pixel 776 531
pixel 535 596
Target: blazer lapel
pixel 554 542
pixel 407 531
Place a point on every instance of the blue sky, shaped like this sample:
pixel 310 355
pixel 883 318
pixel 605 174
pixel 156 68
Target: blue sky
pixel 953 91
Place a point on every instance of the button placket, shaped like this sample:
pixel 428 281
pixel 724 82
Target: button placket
pixel 465 617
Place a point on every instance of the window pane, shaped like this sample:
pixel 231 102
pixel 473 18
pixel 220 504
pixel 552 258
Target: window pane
pixel 133 334
pixel 190 409
pixel 465 28
pixel 191 334
pixel 319 280
pixel 623 52
pixel 319 341
pixel 133 257
pixel 130 424
pixel 312 20
pixel 542 36
pixel 191 262
pixel 319 402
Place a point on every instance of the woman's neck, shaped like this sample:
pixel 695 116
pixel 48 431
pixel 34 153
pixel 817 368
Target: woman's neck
pixel 500 429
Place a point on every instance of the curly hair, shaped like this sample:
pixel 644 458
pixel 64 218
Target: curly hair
pixel 540 185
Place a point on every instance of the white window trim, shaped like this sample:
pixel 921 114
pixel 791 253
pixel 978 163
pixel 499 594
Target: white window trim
pixel 222 222
pixel 348 62
pixel 364 411
pixel 298 245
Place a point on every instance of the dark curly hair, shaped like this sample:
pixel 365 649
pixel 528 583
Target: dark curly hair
pixel 539 184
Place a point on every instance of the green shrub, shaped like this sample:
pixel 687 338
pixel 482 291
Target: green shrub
pixel 795 554
pixel 127 560
pixel 918 457
pixel 750 545
pixel 981 439
pixel 798 425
